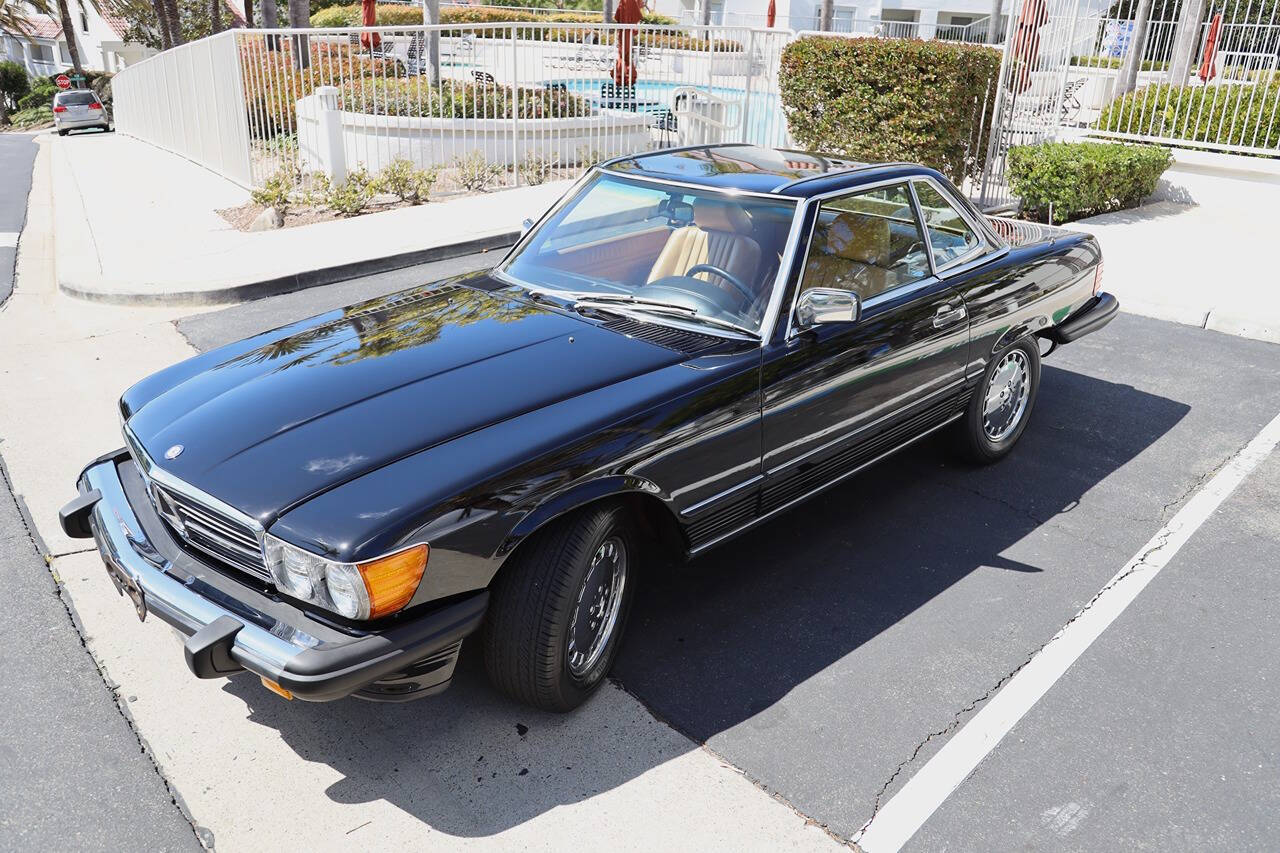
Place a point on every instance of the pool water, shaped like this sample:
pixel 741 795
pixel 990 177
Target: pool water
pixel 765 122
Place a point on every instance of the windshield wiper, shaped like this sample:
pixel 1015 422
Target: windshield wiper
pixel 655 306
pixel 609 299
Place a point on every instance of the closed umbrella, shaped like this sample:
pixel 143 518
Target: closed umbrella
pixel 1207 65
pixel 624 69
pixel 1026 41
pixel 369 18
pixel 772 15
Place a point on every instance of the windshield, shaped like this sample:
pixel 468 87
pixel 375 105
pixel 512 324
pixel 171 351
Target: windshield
pixel 695 254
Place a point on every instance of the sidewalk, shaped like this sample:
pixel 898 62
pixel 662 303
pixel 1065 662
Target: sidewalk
pixel 136 225
pixel 1198 253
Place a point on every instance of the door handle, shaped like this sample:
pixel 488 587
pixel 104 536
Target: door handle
pixel 947 316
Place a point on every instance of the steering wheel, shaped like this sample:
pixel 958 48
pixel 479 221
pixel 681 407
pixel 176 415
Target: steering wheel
pixel 727 276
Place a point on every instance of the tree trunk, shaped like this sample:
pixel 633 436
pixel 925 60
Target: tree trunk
pixel 175 23
pixel 607 11
pixel 431 15
pixel 215 19
pixel 1186 41
pixel 69 33
pixel 162 19
pixel 995 32
pixel 248 14
pixel 1137 46
pixel 270 21
pixel 827 16
pixel 300 19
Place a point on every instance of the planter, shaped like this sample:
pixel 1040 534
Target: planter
pixel 334 141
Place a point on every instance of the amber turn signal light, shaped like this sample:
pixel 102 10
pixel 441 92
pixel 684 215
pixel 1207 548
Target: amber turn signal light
pixel 392 581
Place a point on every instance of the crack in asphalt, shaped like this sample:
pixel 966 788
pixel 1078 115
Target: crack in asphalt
pixel 114 689
pixel 958 718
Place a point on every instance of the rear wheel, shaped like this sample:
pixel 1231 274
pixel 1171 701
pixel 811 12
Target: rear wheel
pixel 63 132
pixel 1001 404
pixel 557 612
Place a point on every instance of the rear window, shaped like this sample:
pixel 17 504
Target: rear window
pixel 77 98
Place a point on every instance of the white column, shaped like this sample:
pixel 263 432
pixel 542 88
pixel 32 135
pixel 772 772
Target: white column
pixel 928 23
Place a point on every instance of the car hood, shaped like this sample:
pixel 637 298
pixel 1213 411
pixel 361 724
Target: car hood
pixel 264 428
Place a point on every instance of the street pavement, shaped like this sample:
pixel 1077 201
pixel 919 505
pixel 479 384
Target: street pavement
pixel 73 774
pixel 831 652
pixel 17 153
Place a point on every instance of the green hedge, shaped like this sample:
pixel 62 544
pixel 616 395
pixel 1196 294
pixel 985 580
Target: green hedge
pixel 1228 115
pixel 1083 178
pixel 398 15
pixel 1111 62
pixel 400 97
pixel 891 99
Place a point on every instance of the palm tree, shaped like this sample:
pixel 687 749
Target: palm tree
pixel 300 18
pixel 13 14
pixel 69 33
pixel 166 28
pixel 1137 46
pixel 828 14
pixel 431 15
pixel 215 20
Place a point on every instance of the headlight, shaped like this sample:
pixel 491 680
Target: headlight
pixel 354 590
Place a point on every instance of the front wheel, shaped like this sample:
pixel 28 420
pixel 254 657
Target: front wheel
pixel 558 610
pixel 1001 404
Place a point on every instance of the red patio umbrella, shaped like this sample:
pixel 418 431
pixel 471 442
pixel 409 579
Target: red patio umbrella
pixel 772 14
pixel 1026 41
pixel 624 70
pixel 1207 69
pixel 369 18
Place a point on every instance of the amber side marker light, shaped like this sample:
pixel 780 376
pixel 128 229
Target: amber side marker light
pixel 1097 278
pixel 276 688
pixel 392 581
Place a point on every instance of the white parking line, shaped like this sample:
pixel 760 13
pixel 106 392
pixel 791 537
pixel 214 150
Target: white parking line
pixel 894 824
pixel 8 239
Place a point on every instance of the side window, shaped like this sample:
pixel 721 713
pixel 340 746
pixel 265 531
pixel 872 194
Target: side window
pixel 869 242
pixel 950 236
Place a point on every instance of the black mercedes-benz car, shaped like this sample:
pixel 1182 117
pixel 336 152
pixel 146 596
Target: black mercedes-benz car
pixel 687 344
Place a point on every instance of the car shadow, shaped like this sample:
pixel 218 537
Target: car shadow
pixel 722 639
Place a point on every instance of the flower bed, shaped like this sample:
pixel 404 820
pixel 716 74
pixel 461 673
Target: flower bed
pixel 401 97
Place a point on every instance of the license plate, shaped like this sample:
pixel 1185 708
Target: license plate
pixel 126 586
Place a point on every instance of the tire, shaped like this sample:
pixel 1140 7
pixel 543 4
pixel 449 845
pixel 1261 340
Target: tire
pixel 982 439
pixel 63 132
pixel 539 634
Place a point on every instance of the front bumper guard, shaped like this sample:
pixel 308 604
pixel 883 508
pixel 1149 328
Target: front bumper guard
pixel 312 661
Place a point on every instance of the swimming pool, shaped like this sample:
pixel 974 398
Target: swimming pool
pixel 765 122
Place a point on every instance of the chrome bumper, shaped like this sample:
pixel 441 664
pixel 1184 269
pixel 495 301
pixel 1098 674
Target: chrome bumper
pixel 230 626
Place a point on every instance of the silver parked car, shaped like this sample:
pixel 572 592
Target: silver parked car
pixel 78 108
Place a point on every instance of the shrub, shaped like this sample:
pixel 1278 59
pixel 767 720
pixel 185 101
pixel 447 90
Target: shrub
pixel 409 97
pixel 33 117
pixel 1230 115
pixel 399 15
pixel 13 83
pixel 1084 178
pixel 1115 63
pixel 891 99
pixel 275 191
pixel 353 195
pixel 402 179
pixel 272 85
pixel 535 169
pixel 41 95
pixel 475 173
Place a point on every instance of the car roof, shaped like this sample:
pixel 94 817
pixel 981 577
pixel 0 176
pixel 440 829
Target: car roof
pixel 756 168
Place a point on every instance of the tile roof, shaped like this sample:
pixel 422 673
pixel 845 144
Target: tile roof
pixel 42 27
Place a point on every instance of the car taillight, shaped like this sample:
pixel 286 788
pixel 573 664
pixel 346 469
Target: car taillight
pixel 95 106
pixel 1097 278
pixel 59 109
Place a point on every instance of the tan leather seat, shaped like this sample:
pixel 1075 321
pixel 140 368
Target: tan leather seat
pixel 718 236
pixel 854 255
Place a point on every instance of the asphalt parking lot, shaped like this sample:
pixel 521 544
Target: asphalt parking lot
pixel 830 653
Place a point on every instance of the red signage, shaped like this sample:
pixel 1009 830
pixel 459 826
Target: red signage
pixel 63 81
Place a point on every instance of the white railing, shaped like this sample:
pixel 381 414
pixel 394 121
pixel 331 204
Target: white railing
pixel 484 105
pixel 1186 84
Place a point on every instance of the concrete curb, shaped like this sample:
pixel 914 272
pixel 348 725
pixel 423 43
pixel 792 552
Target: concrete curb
pixel 291 282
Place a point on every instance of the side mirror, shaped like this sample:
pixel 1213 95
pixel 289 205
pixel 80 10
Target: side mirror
pixel 820 305
pixel 525 226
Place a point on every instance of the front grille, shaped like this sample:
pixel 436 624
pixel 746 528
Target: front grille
pixel 215 533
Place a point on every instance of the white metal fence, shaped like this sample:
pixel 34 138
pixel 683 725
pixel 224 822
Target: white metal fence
pixel 485 105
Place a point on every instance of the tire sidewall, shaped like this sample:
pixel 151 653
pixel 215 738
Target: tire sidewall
pixel 982 445
pixel 603 525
